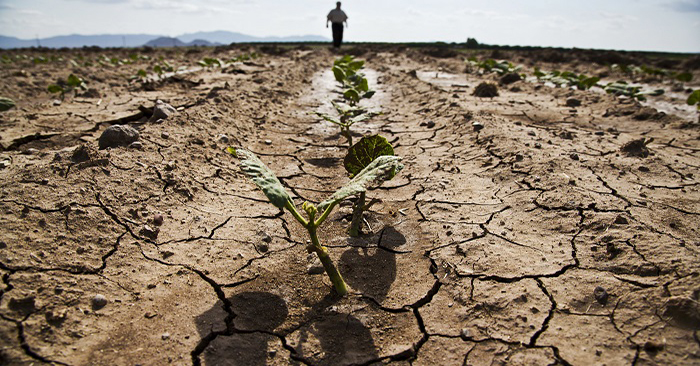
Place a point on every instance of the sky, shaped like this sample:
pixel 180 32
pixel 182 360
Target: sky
pixel 648 25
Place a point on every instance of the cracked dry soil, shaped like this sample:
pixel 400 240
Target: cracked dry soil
pixel 532 241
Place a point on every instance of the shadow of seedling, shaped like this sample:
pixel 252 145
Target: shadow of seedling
pixel 342 338
pixel 372 270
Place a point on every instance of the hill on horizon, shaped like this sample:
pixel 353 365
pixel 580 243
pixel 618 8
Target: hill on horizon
pixel 138 40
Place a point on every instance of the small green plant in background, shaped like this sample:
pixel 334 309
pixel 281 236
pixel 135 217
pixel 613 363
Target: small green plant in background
pixel 211 62
pixel 490 65
pixel 580 81
pixel 636 92
pixel 694 98
pixel 6 104
pixel 73 83
pixel 360 156
pixel 346 71
pixel 348 116
pixel 381 169
pixel 633 70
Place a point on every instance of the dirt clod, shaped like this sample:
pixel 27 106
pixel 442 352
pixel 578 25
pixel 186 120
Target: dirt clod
pixel 684 311
pixel 636 148
pixel 573 102
pixel 486 90
pixel 162 110
pixel 509 78
pixel 118 135
pixel 600 295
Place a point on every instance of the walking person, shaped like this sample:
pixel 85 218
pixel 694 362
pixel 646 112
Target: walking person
pixel 337 17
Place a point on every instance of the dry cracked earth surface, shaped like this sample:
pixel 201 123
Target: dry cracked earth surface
pixel 534 240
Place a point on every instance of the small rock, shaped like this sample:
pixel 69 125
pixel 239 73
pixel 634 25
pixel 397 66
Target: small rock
pixel 266 238
pixel 263 247
pixel 509 78
pixel 158 219
pixel 465 334
pixel 56 102
pixel 621 220
pixel 644 169
pixel 272 353
pixel 3 245
pixel 600 133
pixel 98 302
pixel 165 336
pixel 486 90
pixel 118 135
pixel 165 135
pixel 600 295
pixel 573 102
pixel 653 347
pixel 222 138
pixel 150 315
pixel 136 145
pixel 477 126
pixel 538 145
pixel 430 124
pixel 149 232
pixel 636 148
pixel 531 133
pixel 268 142
pixel 574 156
pixel 25 305
pixel 162 111
pixel 4 164
pixel 44 182
pixel 30 151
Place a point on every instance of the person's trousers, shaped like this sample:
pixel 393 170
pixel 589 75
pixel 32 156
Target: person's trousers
pixel 337 34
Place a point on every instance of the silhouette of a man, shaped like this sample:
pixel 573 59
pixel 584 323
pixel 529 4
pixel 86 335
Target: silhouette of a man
pixel 336 17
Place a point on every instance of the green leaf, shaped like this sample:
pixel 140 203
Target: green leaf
pixel 142 73
pixel 53 88
pixel 369 94
pixel 262 176
pixel 694 98
pixel 381 169
pixel 363 85
pixel 74 81
pixel 157 69
pixel 356 65
pixel 328 118
pixel 339 74
pixel 684 77
pixel 6 103
pixel 365 151
pixel 352 95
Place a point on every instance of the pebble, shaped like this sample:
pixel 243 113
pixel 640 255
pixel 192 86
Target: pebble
pixel 430 124
pixel 118 135
pixel 165 135
pixel 222 138
pixel 165 336
pixel 538 145
pixel 573 102
pixel 266 238
pixel 477 126
pixel 465 333
pixel 98 302
pixel 162 111
pixel 268 142
pixel 600 295
pixel 56 102
pixel 4 164
pixel 158 219
pixel 574 156
pixel 136 145
pixel 263 247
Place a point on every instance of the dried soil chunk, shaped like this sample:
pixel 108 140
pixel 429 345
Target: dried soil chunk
pixel 486 90
pixel 118 135
pixel 636 148
pixel 509 78
pixel 162 110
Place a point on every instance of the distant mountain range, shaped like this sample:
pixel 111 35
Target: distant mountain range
pixel 138 40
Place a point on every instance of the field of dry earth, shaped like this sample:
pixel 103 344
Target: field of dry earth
pixel 528 238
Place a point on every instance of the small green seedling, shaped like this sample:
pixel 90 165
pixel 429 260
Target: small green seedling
pixel 694 98
pixel 73 83
pixel 581 82
pixel 359 156
pixel 6 104
pixel 622 88
pixel 381 169
pixel 211 62
pixel 348 116
pixel 346 71
pixel 489 65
